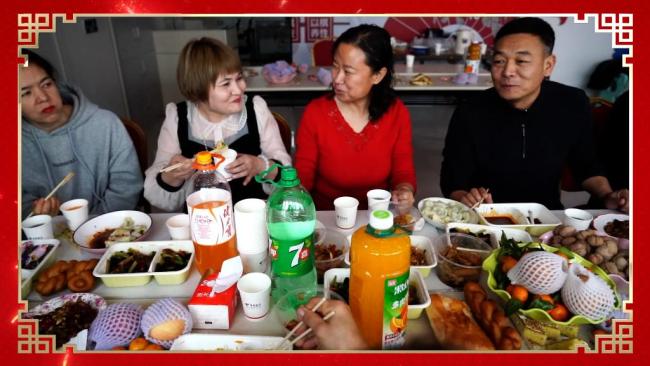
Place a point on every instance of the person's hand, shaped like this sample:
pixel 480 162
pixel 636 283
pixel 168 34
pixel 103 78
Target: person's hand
pixel 44 206
pixel 402 196
pixel 340 332
pixel 475 195
pixel 177 177
pixel 618 200
pixel 246 166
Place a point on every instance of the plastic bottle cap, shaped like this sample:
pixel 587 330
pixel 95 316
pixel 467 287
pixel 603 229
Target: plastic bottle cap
pixel 288 177
pixel 381 220
pixel 204 158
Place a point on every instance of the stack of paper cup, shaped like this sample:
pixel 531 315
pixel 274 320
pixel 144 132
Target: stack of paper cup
pixel 252 236
pixel 75 212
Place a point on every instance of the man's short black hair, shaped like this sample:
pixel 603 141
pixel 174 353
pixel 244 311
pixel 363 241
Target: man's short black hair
pixel 530 25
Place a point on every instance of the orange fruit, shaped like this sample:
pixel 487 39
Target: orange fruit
pixel 507 262
pixel 138 344
pixel 153 347
pixel 518 292
pixel 547 298
pixel 119 348
pixel 559 313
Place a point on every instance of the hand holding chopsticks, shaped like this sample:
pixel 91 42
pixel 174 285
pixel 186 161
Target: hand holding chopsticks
pixel 286 338
pixel 63 181
pixel 484 195
pixel 325 331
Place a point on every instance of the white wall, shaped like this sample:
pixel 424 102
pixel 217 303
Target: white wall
pixel 578 49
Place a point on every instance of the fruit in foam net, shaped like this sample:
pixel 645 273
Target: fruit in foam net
pixel 586 294
pixel 540 272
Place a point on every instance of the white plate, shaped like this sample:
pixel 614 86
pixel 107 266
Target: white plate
pixel 493 231
pixel 441 224
pixel 226 342
pixel 539 211
pixel 601 221
pixel 111 220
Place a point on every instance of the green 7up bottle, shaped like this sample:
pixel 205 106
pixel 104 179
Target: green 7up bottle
pixel 291 220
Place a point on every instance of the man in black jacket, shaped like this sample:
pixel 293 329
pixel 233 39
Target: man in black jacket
pixel 511 143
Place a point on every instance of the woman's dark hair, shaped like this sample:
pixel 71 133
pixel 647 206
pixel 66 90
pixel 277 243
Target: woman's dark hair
pixel 530 25
pixel 374 41
pixel 35 59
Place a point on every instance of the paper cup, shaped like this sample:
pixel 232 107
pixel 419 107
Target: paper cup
pixel 229 155
pixel 437 48
pixel 579 219
pixel 255 292
pixel 410 60
pixel 75 212
pixel 38 227
pixel 378 199
pixel 250 225
pixel 179 227
pixel 346 211
pixel 257 262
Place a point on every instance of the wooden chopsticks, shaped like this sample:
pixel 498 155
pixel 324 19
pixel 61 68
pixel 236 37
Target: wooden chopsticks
pixel 286 338
pixel 63 181
pixel 171 167
pixel 325 318
pixel 474 206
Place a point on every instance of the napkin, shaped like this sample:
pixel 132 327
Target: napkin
pixel 231 270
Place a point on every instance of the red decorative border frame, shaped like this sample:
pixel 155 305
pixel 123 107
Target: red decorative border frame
pixel 291 7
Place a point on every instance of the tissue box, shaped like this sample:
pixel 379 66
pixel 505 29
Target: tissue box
pixel 216 311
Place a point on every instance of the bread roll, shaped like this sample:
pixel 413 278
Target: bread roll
pixel 168 330
pixel 453 325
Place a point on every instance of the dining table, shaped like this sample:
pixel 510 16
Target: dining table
pixel 419 334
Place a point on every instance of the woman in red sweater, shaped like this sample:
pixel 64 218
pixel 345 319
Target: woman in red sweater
pixel 358 137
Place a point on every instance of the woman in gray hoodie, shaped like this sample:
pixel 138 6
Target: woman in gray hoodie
pixel 64 132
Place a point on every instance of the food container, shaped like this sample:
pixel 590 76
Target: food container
pixel 323 250
pixel 521 212
pixel 601 221
pixel 423 243
pixel 142 278
pixel 422 299
pixel 28 275
pixel 227 342
pixel 441 211
pixel 490 264
pixel 459 258
pixel 416 281
pixel 112 220
pixel 174 277
pixel 492 233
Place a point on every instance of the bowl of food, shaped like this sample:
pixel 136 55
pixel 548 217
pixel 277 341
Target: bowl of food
pixel 408 219
pixel 34 256
pixel 173 261
pixel 616 226
pixel 98 233
pixel 441 211
pixel 544 307
pixel 330 252
pixel 460 257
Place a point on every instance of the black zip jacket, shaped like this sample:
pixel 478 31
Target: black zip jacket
pixel 520 154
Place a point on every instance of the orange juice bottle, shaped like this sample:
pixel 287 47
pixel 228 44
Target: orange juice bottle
pixel 379 270
pixel 211 217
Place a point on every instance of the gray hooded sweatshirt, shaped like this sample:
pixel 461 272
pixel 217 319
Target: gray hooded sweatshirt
pixel 95 146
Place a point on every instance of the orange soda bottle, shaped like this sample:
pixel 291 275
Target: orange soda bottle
pixel 379 269
pixel 211 215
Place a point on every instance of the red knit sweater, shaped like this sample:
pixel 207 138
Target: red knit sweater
pixel 332 160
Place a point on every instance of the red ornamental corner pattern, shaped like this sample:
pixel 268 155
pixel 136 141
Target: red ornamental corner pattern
pixel 620 25
pixel 30 25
